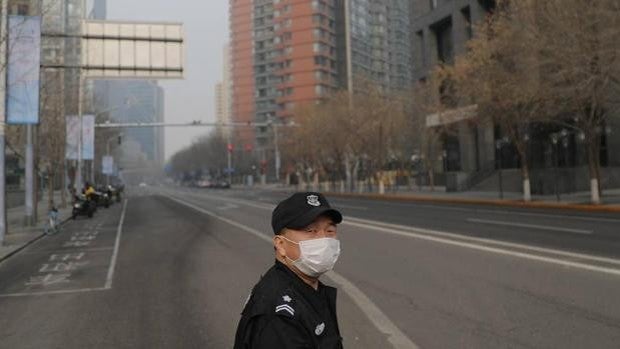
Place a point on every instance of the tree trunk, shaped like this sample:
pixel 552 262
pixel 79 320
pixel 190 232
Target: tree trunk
pixel 595 193
pixel 347 173
pixel 525 172
pixel 431 178
pixel 355 177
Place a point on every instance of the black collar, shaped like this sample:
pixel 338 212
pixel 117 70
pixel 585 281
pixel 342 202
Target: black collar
pixel 322 299
pixel 308 292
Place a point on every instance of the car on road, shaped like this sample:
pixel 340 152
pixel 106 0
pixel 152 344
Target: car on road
pixel 221 185
pixel 205 183
pixel 143 185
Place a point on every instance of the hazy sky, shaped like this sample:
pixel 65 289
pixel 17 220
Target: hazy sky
pixel 206 32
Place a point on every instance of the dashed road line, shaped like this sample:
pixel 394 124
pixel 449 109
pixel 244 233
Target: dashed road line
pixel 119 232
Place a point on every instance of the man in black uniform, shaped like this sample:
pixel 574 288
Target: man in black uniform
pixel 290 307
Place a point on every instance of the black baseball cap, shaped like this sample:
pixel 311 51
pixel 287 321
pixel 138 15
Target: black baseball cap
pixel 300 210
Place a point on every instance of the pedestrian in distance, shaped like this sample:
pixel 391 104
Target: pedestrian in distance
pixel 289 307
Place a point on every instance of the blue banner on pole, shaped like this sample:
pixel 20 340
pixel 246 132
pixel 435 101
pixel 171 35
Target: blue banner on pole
pixel 24 64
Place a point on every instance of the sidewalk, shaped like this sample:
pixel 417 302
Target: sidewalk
pixel 19 236
pixel 579 201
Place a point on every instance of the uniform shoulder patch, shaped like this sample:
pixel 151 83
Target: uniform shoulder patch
pixel 285 309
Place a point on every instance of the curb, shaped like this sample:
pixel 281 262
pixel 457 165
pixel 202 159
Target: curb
pixel 484 202
pixel 28 243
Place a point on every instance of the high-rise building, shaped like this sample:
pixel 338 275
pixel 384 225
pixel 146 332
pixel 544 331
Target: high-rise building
pixel 242 68
pixel 99 9
pixel 287 52
pixel 222 95
pixel 375 40
pixel 135 101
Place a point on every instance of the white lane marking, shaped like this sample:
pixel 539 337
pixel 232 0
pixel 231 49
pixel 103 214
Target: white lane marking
pixel 394 335
pixel 410 231
pixel 46 293
pixel 94 249
pixel 361 208
pixel 532 226
pixel 461 237
pixel 228 206
pixel 497 250
pixel 119 232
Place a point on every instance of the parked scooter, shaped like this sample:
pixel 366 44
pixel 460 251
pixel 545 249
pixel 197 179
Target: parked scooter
pixel 118 192
pixel 83 206
pixel 102 198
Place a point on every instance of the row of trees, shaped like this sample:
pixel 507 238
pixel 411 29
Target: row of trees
pixel 553 61
pixel 531 62
pixel 351 136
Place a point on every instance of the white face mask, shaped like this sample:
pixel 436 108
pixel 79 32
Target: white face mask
pixel 318 256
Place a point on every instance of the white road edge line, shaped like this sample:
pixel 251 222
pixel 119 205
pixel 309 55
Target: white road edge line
pixel 394 335
pixel 525 225
pixel 47 293
pixel 361 208
pixel 119 232
pixel 497 250
pixel 422 232
pixel 461 237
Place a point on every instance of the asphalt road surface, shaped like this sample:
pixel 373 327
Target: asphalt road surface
pixel 173 268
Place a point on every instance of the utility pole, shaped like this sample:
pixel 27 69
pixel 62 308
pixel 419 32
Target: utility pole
pixel 29 218
pixel 78 174
pixel 3 66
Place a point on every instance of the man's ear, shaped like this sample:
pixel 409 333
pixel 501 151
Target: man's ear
pixel 278 245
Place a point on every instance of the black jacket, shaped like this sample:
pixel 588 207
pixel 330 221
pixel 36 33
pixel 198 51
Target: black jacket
pixel 284 312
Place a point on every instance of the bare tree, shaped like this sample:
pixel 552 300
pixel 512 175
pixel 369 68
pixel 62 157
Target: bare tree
pixel 500 73
pixel 580 54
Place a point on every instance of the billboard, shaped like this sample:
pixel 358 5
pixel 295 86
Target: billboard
pixel 132 50
pixel 107 165
pixel 24 62
pixel 73 137
pixel 88 137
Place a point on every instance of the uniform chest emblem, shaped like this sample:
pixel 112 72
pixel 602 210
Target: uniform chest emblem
pixel 313 200
pixel 319 329
pixel 287 299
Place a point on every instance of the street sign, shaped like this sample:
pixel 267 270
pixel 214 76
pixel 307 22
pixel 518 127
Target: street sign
pixel 229 170
pixel 132 50
pixel 73 137
pixel 22 105
pixel 107 165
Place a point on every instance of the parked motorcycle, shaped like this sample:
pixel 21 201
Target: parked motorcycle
pixel 83 206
